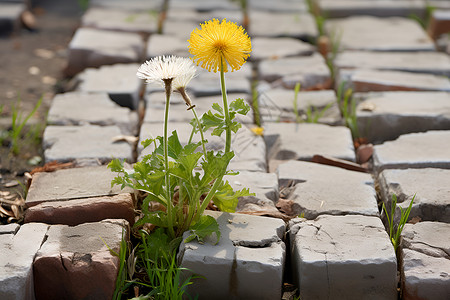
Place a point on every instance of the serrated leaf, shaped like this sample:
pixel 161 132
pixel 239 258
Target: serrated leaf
pixel 218 108
pixel 239 106
pixel 206 226
pixel 226 199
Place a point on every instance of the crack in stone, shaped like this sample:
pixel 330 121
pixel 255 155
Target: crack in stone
pixel 62 262
pixel 414 246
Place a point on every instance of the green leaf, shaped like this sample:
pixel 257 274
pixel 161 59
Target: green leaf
pixel 239 106
pixel 203 228
pixel 218 108
pixel 226 199
pixel 215 165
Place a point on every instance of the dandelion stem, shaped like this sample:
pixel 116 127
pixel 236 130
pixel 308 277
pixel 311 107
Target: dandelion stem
pixel 168 86
pixel 225 107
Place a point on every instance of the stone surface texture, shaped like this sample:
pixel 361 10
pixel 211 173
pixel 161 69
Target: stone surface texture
pixel 425 261
pixel 343 257
pixel 247 262
pixel 85 210
pixel 73 183
pixel 285 141
pixel 414 150
pixel 18 250
pixel 274 48
pixel 319 189
pixel 429 185
pixel 67 143
pixel 387 115
pixel 119 81
pixel 78 108
pixel 76 263
pixel 379 34
pixel 94 48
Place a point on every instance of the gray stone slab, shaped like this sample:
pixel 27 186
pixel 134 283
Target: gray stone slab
pixel 16 261
pixel 160 44
pixel 430 185
pixel 379 34
pixel 155 106
pixel 67 143
pixel 120 20
pixel 94 48
pixel 290 24
pixel 415 150
pixel 418 62
pixel 10 14
pixel 119 81
pixel 343 257
pixel 204 5
pixel 265 187
pixel 378 8
pixel 76 262
pixel 361 80
pixel 386 116
pixel 208 83
pixel 181 29
pixel 76 183
pixel 319 189
pixel 439 4
pixel 425 261
pixel 310 71
pixel 9 228
pixel 280 6
pixel 286 141
pixel 135 5
pixel 249 254
pixel 277 105
pixel 78 108
pixel 249 149
pixel 273 48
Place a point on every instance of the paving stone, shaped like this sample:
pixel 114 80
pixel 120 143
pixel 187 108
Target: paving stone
pixel 291 24
pixel 9 228
pixel 136 5
pixel 181 29
pixel 286 141
pixel 319 189
pixel 249 149
pixel 439 4
pixel 281 5
pixel 414 150
pixel 208 83
pixel 273 48
pixel 265 187
pixel 310 71
pixel 10 14
pixel 67 143
pixel 85 210
pixel 183 14
pixel 69 184
pixel 18 250
pixel 159 44
pixel 424 62
pixel 343 257
pixel 79 108
pixel 119 81
pixel 154 111
pixel 361 80
pixel 386 116
pixel 379 34
pixel 379 8
pixel 430 185
pixel 76 263
pixel 247 262
pixel 439 23
pixel 94 48
pixel 119 19
pixel 277 105
pixel 425 261
pixel 204 5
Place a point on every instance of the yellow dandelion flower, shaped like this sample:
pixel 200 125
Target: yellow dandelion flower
pixel 218 42
pixel 257 131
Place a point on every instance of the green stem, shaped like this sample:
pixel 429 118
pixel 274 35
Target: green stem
pixel 201 131
pixel 168 86
pixel 225 108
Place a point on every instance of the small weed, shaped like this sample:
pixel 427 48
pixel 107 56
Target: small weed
pixel 255 104
pixel 347 106
pixel 396 231
pixel 18 123
pixel 312 114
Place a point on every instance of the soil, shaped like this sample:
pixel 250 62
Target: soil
pixel 32 62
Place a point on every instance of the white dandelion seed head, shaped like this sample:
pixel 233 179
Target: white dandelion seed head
pixel 161 68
